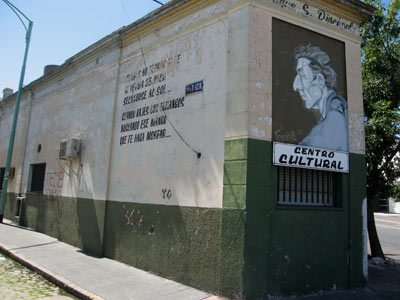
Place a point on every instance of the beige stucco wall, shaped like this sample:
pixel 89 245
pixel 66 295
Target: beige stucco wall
pixel 75 104
pixel 227 44
pixel 237 91
pixel 355 97
pixel 168 170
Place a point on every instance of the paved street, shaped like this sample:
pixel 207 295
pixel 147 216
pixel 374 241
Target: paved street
pixel 388 227
pixel 18 282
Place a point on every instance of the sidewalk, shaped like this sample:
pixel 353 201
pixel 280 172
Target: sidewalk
pixel 89 277
pixel 383 284
pixel 85 276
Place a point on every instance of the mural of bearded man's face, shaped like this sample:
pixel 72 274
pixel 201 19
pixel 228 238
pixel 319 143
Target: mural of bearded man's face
pixel 308 84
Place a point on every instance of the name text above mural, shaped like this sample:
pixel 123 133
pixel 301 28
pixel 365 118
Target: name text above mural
pixel 316 14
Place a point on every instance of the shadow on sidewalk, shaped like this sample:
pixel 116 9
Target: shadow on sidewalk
pixel 384 281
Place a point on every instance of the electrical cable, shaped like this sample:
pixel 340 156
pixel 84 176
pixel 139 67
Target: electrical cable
pixel 158 2
pixel 198 153
pixel 123 8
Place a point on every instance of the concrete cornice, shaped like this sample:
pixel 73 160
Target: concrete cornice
pixel 155 14
pixel 356 8
pixel 358 5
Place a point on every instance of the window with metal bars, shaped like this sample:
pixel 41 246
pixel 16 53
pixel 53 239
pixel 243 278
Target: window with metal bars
pixel 305 187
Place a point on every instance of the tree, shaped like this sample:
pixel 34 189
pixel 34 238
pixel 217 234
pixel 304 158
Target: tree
pixel 381 91
pixel 396 195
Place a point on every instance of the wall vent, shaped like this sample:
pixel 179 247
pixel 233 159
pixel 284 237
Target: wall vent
pixel 7 92
pixel 69 149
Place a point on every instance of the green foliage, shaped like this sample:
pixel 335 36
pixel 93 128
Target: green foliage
pixel 396 192
pixel 381 91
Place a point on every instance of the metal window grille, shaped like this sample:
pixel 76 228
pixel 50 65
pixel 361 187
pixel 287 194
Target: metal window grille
pixel 305 187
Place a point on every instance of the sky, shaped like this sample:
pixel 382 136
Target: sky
pixel 61 28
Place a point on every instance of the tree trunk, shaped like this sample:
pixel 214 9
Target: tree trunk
pixel 376 249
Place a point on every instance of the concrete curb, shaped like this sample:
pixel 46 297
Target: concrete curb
pixel 59 281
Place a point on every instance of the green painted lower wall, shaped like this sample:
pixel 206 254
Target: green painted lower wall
pixel 250 248
pixel 180 243
pixel 294 251
pixel 10 209
pixel 232 260
pixel 79 222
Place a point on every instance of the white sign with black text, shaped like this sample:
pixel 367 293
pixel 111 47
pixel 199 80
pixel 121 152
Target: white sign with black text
pixel 310 158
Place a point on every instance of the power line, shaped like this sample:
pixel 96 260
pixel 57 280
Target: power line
pixel 123 8
pixel 158 2
pixel 167 118
pixel 145 65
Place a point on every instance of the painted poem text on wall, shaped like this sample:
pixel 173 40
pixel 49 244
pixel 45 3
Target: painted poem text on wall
pixel 146 100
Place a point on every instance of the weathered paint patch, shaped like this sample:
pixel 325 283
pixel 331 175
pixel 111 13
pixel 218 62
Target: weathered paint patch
pixel 180 243
pixel 255 131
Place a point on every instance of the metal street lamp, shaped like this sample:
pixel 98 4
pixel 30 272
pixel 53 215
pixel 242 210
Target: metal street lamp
pixel 14 124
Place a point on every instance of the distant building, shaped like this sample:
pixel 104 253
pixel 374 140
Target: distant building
pixel 394 207
pixel 196 143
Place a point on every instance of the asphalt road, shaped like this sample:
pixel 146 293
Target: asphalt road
pixel 388 227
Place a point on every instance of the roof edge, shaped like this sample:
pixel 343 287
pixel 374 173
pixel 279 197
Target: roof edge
pixel 365 9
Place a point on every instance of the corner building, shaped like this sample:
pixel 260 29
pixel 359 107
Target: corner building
pixel 193 162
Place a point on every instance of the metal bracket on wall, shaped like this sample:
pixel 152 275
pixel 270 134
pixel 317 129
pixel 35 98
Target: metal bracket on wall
pixel 18 210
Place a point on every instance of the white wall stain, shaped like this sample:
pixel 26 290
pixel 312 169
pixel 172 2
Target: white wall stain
pixel 257 132
pixel 268 120
pixel 365 238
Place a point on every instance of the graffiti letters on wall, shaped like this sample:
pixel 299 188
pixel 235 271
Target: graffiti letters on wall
pixel 309 95
pixel 145 103
pixel 54 183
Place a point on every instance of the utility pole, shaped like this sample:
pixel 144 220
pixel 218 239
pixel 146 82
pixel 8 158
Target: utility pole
pixel 14 124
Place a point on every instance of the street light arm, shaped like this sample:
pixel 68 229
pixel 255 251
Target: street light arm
pixel 15 118
pixel 17 15
pixel 14 8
